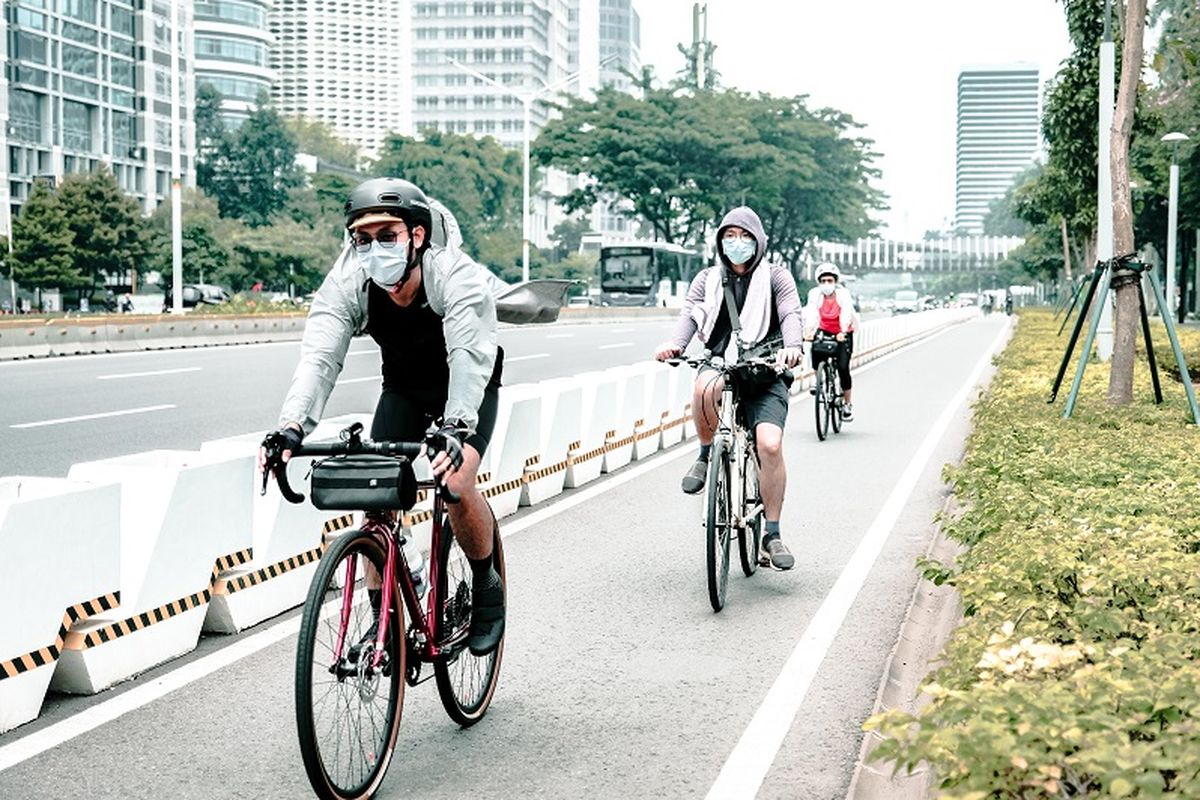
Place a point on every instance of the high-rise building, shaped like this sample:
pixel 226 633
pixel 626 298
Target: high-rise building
pixel 346 63
pixel 88 83
pixel 998 136
pixel 620 39
pixel 233 53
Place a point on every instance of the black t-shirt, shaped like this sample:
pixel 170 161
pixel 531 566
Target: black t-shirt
pixel 412 342
pixel 722 328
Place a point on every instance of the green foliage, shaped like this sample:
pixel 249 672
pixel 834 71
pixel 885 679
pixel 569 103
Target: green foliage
pixel 682 160
pixel 109 235
pixel 568 234
pixel 283 252
pixel 477 179
pixel 207 256
pixel 252 170
pixel 42 244
pixel 318 139
pixel 1076 671
pixel 212 138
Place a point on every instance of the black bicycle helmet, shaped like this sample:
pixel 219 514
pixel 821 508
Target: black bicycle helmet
pixel 392 197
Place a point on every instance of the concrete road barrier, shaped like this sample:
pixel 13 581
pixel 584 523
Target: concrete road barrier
pixel 61 565
pixel 514 446
pixel 585 460
pixel 562 424
pixel 185 519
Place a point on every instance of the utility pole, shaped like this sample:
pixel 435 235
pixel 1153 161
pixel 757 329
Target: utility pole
pixel 700 42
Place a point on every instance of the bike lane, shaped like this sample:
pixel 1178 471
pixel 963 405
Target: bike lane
pixel 618 681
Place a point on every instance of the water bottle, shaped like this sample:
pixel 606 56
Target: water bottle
pixel 416 568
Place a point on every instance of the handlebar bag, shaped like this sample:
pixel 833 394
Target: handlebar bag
pixel 364 482
pixel 825 345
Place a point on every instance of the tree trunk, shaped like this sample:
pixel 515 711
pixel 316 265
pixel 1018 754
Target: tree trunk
pixel 1125 281
pixel 1066 249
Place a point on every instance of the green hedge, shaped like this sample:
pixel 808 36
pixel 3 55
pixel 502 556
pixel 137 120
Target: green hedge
pixel 1076 671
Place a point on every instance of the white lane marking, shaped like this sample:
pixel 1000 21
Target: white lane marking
pixel 344 381
pixel 618 344
pixel 53 735
pixel 508 360
pixel 560 336
pixel 192 351
pixel 755 752
pixel 143 410
pixel 146 374
pixel 61 732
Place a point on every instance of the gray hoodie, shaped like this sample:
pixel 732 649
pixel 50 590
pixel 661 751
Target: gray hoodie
pixel 783 286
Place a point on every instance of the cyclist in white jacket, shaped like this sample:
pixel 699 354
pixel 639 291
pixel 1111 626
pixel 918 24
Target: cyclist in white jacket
pixel 829 311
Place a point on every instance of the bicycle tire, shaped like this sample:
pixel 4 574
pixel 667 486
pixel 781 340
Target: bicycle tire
pixel 717 525
pixel 835 405
pixel 459 669
pixel 750 539
pixel 821 403
pixel 314 659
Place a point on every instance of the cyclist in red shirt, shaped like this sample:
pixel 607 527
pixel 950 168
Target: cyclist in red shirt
pixel 830 309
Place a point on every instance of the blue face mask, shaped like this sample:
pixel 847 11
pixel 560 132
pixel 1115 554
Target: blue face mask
pixel 386 266
pixel 738 251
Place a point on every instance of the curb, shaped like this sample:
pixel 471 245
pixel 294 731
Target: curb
pixel 934 612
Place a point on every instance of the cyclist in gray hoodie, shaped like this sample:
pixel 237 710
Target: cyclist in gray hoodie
pixel 768 306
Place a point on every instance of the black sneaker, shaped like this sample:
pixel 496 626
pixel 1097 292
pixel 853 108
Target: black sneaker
pixel 693 481
pixel 775 554
pixel 487 614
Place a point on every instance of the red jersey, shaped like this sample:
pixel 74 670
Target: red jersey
pixel 831 314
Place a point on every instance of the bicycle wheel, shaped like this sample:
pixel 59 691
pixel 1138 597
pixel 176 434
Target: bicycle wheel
pixel 347 713
pixel 717 526
pixel 465 681
pixel 751 535
pixel 821 403
pixel 835 405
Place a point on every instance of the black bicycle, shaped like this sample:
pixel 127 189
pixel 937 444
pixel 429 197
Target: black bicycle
pixel 733 502
pixel 827 386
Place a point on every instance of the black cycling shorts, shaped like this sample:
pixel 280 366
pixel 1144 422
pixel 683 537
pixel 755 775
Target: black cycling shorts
pixel 404 414
pixel 844 352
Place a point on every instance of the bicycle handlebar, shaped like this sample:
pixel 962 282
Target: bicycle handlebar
pixel 352 446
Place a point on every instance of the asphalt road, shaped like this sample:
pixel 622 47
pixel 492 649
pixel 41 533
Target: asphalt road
pixel 618 679
pixel 59 411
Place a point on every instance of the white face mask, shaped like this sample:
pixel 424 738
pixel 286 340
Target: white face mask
pixel 828 288
pixel 738 251
pixel 386 266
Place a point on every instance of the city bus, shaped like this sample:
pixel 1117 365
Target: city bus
pixel 646 273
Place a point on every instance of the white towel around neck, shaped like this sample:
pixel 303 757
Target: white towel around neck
pixel 755 314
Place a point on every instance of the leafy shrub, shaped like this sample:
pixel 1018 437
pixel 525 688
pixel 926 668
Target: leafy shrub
pixel 1076 669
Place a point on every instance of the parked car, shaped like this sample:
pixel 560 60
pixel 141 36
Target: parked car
pixel 197 294
pixel 100 301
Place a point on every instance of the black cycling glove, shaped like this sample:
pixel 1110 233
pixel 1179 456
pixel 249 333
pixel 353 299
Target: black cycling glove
pixel 448 439
pixel 283 440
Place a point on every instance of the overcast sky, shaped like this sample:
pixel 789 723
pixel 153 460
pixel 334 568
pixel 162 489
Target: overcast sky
pixel 892 65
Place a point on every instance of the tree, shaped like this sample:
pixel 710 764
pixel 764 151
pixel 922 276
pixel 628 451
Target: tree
pixel 477 179
pixel 1125 281
pixel 254 168
pixel 207 254
pixel 42 240
pixel 318 139
pixel 282 253
pixel 109 235
pixel 568 234
pixel 211 135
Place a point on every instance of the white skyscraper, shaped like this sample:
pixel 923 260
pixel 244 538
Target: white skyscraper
pixel 998 135
pixel 233 46
pixel 346 63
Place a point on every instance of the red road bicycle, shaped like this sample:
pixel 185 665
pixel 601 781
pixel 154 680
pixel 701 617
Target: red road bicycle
pixel 349 684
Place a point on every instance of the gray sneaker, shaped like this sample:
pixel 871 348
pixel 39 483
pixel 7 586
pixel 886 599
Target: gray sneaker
pixel 847 413
pixel 693 482
pixel 775 554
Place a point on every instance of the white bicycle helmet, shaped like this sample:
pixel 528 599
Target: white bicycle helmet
pixel 825 268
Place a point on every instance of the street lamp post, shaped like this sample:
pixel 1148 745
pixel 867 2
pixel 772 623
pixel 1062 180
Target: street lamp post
pixel 527 99
pixel 1173 138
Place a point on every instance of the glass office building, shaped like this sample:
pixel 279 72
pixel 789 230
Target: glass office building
pixel 88 83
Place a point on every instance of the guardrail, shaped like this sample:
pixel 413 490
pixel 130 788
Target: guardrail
pixel 146 551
